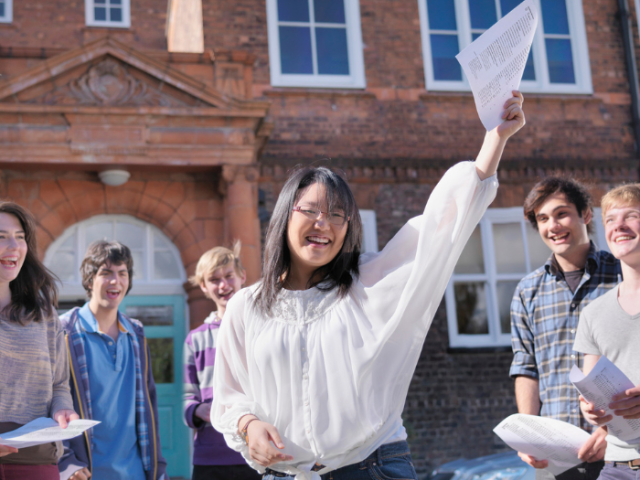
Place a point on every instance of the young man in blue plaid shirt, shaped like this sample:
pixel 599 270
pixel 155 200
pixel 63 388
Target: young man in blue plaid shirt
pixel 545 311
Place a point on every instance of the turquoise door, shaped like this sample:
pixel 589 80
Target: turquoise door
pixel 163 318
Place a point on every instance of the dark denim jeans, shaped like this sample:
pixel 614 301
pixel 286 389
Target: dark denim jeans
pixel 390 462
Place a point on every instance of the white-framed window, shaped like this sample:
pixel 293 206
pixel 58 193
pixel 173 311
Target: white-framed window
pixel 315 43
pixel 478 297
pixel 6 11
pixel 369 231
pixel 157 266
pixel 108 13
pixel 558 61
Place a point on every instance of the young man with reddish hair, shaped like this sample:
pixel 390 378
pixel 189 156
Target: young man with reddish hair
pixel 545 311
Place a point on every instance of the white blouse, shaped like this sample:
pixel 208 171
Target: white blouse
pixel 332 374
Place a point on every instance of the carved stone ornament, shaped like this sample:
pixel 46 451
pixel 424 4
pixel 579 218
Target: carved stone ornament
pixel 108 84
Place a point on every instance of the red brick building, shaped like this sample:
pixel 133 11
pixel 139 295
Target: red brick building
pixel 367 86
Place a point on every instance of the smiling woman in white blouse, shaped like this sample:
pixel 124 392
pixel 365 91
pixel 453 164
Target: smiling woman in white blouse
pixel 314 363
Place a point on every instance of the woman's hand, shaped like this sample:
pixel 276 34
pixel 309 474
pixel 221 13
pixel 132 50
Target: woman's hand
pixel 63 417
pixel 6 450
pixel 83 474
pixel 593 416
pixel 262 438
pixel 494 141
pixel 513 116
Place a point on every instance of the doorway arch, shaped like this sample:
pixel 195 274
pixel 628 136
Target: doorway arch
pixel 157 299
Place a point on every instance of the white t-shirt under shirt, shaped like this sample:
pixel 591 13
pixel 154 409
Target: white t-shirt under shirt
pixel 606 329
pixel 332 373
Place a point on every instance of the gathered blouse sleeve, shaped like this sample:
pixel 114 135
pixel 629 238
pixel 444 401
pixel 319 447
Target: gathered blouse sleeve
pixel 231 375
pixel 402 285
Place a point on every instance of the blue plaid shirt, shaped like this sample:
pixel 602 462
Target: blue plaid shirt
pixel 544 321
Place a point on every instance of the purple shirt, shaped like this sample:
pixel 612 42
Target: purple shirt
pixel 209 447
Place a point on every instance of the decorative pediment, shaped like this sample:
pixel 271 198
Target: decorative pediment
pixel 108 83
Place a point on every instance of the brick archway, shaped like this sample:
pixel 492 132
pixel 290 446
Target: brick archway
pixel 188 210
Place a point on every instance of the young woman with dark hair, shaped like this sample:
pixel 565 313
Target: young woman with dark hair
pixel 34 373
pixel 314 363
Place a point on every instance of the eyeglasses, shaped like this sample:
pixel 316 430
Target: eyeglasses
pixel 334 218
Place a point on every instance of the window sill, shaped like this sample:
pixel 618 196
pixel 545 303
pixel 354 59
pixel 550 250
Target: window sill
pixel 477 350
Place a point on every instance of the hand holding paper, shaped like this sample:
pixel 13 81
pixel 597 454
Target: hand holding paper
pixel 44 430
pixel 494 62
pixel 604 383
pixel 544 438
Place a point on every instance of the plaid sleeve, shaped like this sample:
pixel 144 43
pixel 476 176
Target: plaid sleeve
pixel 524 360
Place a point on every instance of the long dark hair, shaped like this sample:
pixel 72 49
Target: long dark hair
pixel 34 294
pixel 339 272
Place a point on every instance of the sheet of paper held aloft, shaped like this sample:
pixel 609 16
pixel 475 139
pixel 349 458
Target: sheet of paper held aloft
pixel 545 439
pixel 495 61
pixel 44 430
pixel 599 387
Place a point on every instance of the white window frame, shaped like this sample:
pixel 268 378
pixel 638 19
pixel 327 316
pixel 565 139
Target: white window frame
pixel 92 22
pixel 8 12
pixel 369 231
pixel 495 338
pixel 356 78
pixel 579 50
pixel 73 289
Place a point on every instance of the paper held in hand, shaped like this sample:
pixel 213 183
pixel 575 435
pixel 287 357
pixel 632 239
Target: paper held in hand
pixel 44 430
pixel 603 382
pixel 495 61
pixel 544 439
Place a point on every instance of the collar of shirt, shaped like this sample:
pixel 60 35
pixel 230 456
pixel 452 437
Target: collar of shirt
pixel 90 324
pixel 212 319
pixel 593 262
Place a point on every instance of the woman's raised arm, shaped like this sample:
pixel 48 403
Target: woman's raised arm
pixel 495 140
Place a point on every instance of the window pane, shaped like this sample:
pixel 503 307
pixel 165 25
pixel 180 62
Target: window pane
pixel 63 264
pixel 474 36
pixel 509 248
pixel 116 2
pixel 471 308
pixel 116 14
pixel 151 315
pixel 333 57
pixel 161 350
pixel 472 258
pixel 560 60
pixel 131 235
pixel 293 10
pixel 538 251
pixel 554 16
pixel 442 15
pixel 69 243
pixel 100 2
pixel 100 13
pixel 507 5
pixel 165 266
pixel 295 50
pixel 98 231
pixel 2 14
pixel 483 13
pixel 138 265
pixel 329 11
pixel 444 49
pixel 505 294
pixel 159 242
pixel 529 69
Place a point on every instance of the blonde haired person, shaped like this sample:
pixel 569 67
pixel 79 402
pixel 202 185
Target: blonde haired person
pixel 609 326
pixel 219 274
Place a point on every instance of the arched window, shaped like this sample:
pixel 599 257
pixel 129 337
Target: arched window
pixel 157 266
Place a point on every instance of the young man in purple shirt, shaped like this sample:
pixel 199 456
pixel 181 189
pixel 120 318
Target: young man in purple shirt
pixel 220 275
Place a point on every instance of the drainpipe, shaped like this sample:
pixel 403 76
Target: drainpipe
pixel 629 50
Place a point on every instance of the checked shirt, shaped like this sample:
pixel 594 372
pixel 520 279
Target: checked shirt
pixel 544 321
